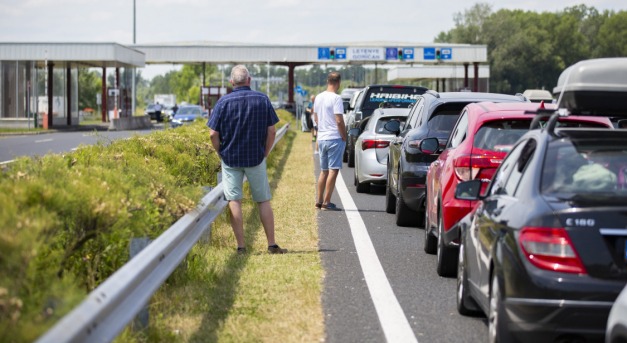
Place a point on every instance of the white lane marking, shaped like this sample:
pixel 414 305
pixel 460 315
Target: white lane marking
pixel 393 321
pixel 6 162
pixel 44 140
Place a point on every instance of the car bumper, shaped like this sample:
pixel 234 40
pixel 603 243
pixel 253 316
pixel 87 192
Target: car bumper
pixel 370 169
pixel 546 306
pixel 534 320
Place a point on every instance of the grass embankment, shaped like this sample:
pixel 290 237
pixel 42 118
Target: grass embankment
pixel 224 297
pixel 66 222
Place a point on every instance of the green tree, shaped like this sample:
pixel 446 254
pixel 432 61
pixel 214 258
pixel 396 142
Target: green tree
pixel 89 85
pixel 612 41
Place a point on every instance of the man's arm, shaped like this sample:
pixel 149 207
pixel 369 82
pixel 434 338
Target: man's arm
pixel 339 119
pixel 215 140
pixel 270 139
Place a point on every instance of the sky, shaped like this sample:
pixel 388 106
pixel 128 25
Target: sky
pixel 248 21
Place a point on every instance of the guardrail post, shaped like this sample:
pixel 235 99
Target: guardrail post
pixel 141 320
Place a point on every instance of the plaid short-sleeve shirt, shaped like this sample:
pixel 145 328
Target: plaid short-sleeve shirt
pixel 242 118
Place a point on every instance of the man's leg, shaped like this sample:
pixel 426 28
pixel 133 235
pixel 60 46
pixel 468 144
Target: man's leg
pixel 237 222
pixel 322 182
pixel 267 219
pixel 330 185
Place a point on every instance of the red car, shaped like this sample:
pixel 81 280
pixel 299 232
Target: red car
pixel 483 135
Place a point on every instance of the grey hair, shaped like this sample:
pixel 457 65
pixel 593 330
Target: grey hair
pixel 239 75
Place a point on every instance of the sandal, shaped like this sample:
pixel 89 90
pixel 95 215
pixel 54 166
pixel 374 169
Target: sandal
pixel 318 205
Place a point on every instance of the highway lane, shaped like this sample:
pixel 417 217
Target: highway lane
pixel 14 146
pixel 427 300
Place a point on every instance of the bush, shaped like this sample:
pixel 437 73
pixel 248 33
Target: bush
pixel 66 220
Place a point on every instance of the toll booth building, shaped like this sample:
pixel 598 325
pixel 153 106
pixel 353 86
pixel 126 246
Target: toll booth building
pixel 39 81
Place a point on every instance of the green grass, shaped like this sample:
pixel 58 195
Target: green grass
pixel 219 296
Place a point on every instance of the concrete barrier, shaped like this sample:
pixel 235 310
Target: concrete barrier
pixel 130 123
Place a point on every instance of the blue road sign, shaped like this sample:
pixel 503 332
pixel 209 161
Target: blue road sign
pixel 446 53
pixel 391 53
pixel 408 53
pixel 340 53
pixel 324 53
pixel 428 54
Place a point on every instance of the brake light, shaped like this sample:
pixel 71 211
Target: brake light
pixel 550 249
pixel 374 144
pixel 467 167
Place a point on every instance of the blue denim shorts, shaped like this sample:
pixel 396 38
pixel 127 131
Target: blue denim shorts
pixel 233 180
pixel 331 152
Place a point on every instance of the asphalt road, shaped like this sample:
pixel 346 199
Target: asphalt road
pixel 352 313
pixel 12 146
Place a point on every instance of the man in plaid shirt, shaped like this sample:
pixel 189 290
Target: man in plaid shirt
pixel 242 132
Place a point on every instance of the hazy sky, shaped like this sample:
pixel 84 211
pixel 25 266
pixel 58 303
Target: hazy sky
pixel 247 21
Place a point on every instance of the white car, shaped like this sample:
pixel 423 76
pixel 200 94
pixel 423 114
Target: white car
pixel 617 321
pixel 372 147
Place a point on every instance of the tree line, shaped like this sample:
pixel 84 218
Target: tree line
pixel 529 50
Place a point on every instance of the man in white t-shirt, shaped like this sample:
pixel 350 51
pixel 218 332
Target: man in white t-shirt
pixel 328 116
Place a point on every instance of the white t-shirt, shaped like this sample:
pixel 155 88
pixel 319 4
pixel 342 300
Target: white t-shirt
pixel 327 105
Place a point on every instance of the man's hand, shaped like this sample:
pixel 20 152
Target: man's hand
pixel 341 127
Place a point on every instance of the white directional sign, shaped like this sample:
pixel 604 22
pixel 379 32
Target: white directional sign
pixel 366 54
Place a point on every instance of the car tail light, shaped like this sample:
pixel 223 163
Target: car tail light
pixel 550 249
pixel 468 167
pixel 374 144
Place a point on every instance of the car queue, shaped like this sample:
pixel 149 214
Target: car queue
pixel 524 202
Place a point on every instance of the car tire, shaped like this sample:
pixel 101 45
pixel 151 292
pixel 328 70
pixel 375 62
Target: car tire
pixel 430 241
pixel 404 215
pixel 351 158
pixel 361 187
pixel 497 326
pixel 465 304
pixel 390 199
pixel 446 256
pixel 345 156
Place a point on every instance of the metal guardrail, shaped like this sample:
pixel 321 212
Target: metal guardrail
pixel 110 307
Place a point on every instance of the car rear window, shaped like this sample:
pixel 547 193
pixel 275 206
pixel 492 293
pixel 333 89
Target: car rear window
pixel 500 135
pixel 400 97
pixel 443 121
pixel 591 166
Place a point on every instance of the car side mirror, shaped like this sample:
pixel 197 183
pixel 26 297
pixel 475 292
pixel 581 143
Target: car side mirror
pixel 354 132
pixel 429 146
pixel 468 190
pixel 393 126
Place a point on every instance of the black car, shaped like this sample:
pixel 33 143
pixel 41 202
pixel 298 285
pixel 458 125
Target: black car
pixel 373 97
pixel 544 253
pixel 433 115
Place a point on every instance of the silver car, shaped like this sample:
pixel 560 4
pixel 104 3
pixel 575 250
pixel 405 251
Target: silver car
pixel 372 146
pixel 617 322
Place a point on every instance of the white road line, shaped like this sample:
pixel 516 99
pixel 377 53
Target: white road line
pixel 6 162
pixel 44 140
pixel 393 321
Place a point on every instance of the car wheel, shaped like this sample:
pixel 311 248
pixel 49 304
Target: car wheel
pixel 403 213
pixel 345 156
pixel 446 256
pixel 430 240
pixel 390 199
pixel 351 158
pixel 497 326
pixel 465 304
